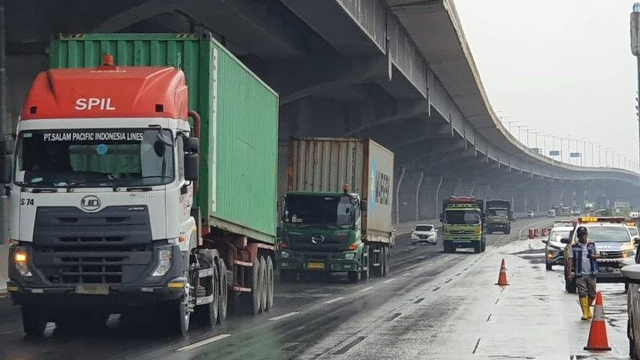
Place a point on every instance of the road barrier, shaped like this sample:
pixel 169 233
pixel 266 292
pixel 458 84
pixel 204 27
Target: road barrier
pixel 502 277
pixel 598 339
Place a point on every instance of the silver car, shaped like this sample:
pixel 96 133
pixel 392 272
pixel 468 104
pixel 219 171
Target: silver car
pixel 424 233
pixel 554 249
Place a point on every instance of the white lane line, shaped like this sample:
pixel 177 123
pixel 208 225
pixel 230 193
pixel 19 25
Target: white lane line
pixel 334 300
pixel 366 289
pixel 284 316
pixel 388 281
pixel 406 274
pixel 204 342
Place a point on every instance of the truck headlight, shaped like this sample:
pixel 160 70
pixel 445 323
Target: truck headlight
pixel 20 260
pixel 284 254
pixel 349 256
pixel 164 263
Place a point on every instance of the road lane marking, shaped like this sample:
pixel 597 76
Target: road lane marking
pixel 394 316
pixel 284 316
pixel 448 281
pixel 418 301
pixel 436 289
pixel 334 300
pixel 366 289
pixel 476 348
pixel 406 274
pixel 204 342
pixel 388 281
pixel 350 345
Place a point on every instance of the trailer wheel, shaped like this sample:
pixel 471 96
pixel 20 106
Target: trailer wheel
pixel 270 284
pixel 34 321
pixel 256 287
pixel 264 284
pixel 223 302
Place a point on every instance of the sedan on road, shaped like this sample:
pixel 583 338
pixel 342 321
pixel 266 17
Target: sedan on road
pixel 530 214
pixel 554 249
pixel 424 233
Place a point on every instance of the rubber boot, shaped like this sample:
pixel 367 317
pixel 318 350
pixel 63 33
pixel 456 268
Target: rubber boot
pixel 584 305
pixel 589 313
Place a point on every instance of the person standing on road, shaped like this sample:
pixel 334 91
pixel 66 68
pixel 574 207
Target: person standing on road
pixel 582 259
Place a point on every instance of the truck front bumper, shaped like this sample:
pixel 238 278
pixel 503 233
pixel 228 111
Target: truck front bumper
pixel 318 261
pixel 609 271
pixel 145 290
pixel 461 241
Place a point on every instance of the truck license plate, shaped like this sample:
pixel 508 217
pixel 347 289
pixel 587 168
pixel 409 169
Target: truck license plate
pixel 315 266
pixel 92 289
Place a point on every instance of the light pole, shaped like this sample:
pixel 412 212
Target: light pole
pixel 635 50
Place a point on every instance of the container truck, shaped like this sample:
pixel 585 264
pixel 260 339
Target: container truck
pixel 337 210
pixel 463 224
pixel 144 180
pixel 499 216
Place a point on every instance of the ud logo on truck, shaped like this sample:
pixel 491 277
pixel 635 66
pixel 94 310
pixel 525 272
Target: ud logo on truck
pixel 94 103
pixel 90 203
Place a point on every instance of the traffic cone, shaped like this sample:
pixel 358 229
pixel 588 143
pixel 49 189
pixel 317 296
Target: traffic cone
pixel 536 233
pixel 598 339
pixel 502 278
pixel 530 233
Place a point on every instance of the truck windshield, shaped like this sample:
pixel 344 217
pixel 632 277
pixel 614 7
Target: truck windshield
pixel 310 210
pixel 497 212
pixel 462 217
pixel 94 157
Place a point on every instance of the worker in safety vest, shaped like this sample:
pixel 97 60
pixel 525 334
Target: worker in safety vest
pixel 582 259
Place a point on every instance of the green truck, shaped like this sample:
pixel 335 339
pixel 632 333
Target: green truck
pixel 499 216
pixel 337 211
pixel 145 177
pixel 463 224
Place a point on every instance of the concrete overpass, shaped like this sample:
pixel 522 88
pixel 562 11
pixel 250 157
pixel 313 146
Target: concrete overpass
pixel 398 71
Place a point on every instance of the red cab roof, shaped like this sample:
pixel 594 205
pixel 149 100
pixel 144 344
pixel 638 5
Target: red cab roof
pixel 108 92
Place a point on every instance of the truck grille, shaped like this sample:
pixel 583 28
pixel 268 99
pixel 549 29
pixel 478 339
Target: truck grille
pixel 468 232
pixel 326 243
pixel 112 246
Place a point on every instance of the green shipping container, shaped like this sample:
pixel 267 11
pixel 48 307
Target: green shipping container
pixel 239 134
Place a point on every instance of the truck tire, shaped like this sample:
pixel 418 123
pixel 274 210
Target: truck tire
pixel 365 264
pixel 288 275
pixel 207 314
pixel 270 284
pixel 256 287
pixel 265 283
pixel 387 262
pixel 353 276
pixel 508 231
pixel 484 245
pixel 224 299
pixel 34 321
pixel 477 247
pixel 179 315
pixel 548 266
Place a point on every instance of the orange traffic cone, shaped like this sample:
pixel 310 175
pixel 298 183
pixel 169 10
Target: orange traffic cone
pixel 502 278
pixel 530 233
pixel 598 339
pixel 536 233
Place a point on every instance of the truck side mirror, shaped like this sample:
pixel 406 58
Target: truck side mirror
pixel 5 169
pixel 191 167
pixel 192 145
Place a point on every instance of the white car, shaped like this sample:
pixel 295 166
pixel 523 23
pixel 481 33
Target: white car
pixel 530 213
pixel 424 233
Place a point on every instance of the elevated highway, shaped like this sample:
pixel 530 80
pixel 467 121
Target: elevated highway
pixel 397 71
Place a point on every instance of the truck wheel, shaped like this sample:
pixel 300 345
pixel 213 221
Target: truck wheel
pixel 548 266
pixel 223 302
pixel 180 315
pixel 508 231
pixel 207 314
pixel 256 287
pixel 449 247
pixel 387 262
pixel 270 284
pixel 353 276
pixel 484 245
pixel 34 321
pixel 365 267
pixel 477 247
pixel 265 284
pixel 288 275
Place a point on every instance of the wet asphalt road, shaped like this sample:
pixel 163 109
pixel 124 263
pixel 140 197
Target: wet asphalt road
pixel 312 319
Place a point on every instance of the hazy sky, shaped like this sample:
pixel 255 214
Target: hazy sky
pixel 560 66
